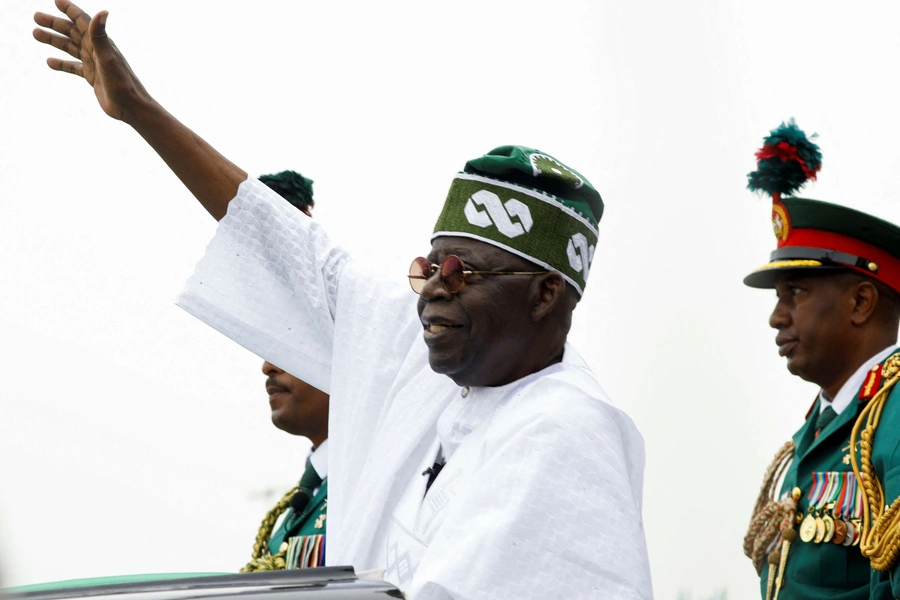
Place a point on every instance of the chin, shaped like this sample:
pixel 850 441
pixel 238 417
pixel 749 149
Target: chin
pixel 795 367
pixel 451 369
pixel 278 421
pixel 443 362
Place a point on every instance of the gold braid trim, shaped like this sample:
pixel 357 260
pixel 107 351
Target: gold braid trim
pixel 880 541
pixel 781 264
pixel 770 517
pixel 262 560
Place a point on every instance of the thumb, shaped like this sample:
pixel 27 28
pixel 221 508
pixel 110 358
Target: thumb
pixel 97 29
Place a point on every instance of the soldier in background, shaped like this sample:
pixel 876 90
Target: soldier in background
pixel 298 409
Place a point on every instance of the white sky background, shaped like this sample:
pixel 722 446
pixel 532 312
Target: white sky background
pixel 135 439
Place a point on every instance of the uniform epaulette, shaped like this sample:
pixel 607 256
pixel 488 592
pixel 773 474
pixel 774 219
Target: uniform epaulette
pixel 874 381
pixel 872 384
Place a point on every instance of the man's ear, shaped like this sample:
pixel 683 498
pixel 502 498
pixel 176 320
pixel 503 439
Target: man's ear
pixel 865 299
pixel 547 291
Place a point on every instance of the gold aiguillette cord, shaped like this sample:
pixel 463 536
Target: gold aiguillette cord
pixel 774 559
pixel 880 536
pixel 788 537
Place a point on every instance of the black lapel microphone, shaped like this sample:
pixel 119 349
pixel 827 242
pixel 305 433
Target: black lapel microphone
pixel 432 472
pixel 299 501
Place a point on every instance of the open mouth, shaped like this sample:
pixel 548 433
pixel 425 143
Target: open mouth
pixel 438 326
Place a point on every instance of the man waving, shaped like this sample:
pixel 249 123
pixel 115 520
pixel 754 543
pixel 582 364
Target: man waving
pixel 472 453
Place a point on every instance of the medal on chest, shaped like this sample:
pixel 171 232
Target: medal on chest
pixel 835 510
pixel 808 528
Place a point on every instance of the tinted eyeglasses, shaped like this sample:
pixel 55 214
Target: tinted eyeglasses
pixel 452 272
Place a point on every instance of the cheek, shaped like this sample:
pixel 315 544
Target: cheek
pixel 288 406
pixel 501 324
pixel 821 326
pixel 299 391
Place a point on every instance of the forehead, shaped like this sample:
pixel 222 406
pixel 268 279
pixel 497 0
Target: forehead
pixel 806 277
pixel 468 250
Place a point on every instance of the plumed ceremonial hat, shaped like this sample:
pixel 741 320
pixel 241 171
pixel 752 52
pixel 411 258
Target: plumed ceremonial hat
pixel 530 204
pixel 814 235
pixel 293 187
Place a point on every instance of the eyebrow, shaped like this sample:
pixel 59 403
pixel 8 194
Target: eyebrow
pixel 462 254
pixel 795 280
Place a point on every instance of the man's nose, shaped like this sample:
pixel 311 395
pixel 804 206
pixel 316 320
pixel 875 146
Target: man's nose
pixel 780 318
pixel 270 369
pixel 434 289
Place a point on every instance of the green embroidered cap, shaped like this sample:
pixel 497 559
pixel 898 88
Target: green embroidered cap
pixel 528 203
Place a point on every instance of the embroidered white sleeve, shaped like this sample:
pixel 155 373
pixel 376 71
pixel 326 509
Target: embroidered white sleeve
pixel 269 280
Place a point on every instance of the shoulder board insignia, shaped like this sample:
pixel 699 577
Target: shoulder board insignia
pixel 872 383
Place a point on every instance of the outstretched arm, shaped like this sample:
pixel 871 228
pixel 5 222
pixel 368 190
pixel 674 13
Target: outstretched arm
pixel 211 177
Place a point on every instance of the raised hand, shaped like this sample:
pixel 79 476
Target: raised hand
pixel 211 177
pixel 97 59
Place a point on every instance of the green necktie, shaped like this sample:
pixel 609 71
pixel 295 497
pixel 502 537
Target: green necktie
pixel 825 417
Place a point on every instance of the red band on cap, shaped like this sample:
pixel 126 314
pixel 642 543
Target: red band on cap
pixel 888 271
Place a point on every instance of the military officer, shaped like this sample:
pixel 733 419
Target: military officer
pixel 298 409
pixel 836 274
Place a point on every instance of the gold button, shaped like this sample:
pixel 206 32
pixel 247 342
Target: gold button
pixel 796 493
pixel 873 266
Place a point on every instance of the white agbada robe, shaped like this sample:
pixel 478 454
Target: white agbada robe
pixel 541 493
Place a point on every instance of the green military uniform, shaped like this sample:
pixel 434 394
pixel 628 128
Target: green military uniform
pixel 299 542
pixel 303 528
pixel 828 569
pixel 830 532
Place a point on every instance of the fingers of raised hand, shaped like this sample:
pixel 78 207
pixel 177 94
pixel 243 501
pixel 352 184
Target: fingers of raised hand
pixel 66 66
pixel 80 18
pixel 58 41
pixel 67 28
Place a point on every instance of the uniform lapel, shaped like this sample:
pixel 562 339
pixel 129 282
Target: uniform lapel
pixel 319 498
pixel 311 510
pixel 805 436
pixel 847 415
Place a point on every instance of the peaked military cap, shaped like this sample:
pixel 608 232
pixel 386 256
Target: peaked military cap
pixel 814 235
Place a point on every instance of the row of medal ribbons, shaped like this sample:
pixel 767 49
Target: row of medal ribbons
pixel 305 552
pixel 835 510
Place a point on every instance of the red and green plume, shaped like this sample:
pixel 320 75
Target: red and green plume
pixel 787 160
